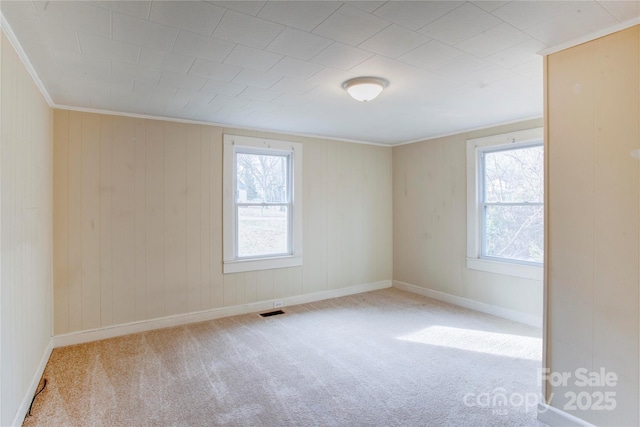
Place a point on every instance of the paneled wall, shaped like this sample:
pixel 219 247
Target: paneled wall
pixel 430 225
pixel 593 201
pixel 25 231
pixel 138 221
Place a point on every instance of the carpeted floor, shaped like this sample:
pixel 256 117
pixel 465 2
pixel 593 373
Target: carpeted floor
pixel 381 358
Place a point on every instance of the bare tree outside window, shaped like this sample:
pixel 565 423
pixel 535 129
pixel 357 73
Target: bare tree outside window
pixel 262 199
pixel 512 204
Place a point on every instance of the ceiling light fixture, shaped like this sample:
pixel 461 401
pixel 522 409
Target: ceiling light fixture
pixel 365 88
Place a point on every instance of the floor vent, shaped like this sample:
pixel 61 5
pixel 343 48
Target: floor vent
pixel 272 313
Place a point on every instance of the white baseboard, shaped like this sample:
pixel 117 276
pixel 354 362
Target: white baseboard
pixel 555 417
pixel 201 316
pixel 528 319
pixel 33 387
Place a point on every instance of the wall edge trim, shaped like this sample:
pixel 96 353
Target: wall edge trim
pixel 21 413
pixel 590 37
pixel 80 337
pixel 469 130
pixel 11 36
pixel 557 417
pixel 214 124
pixel 505 313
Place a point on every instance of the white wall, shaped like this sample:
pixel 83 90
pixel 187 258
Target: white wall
pixel 430 223
pixel 25 232
pixel 138 221
pixel 593 202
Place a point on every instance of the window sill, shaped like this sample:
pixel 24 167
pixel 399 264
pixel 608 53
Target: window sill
pixel 531 272
pixel 240 266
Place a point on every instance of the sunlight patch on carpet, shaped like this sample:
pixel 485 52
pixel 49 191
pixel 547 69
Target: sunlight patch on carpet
pixel 498 344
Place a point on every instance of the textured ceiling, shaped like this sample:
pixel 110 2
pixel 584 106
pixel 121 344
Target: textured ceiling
pixel 279 65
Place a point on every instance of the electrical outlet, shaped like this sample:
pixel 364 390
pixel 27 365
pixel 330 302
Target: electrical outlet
pixel 278 304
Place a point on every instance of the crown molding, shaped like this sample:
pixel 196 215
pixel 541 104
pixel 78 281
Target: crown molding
pixel 11 36
pixel 220 125
pixel 469 130
pixel 591 36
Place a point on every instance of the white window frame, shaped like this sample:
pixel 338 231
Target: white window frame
pixel 475 260
pixel 293 150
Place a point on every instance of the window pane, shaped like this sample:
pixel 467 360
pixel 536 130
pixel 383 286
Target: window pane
pixel 514 176
pixel 514 232
pixel 262 231
pixel 261 178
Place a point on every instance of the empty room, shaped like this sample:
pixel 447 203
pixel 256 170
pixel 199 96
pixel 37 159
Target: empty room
pixel 328 213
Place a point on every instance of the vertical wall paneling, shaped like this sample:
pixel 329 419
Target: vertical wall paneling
pixel 218 280
pixel 123 220
pixel 545 296
pixel 231 289
pixel 1 318
pixel 90 213
pixel 593 110
pixel 264 289
pixel 61 221
pixel 241 289
pixel 429 225
pixel 154 222
pixel 616 213
pixel 194 210
pixel 251 286
pixel 297 281
pixel 175 201
pixel 346 202
pixel 26 236
pixel 571 191
pixel 75 220
pixel 139 194
pixel 383 185
pixel 10 235
pixel 355 208
pixel 205 219
pixel 279 283
pixel 153 192
pixel 1 119
pixel 106 193
pixel 315 216
pixel 335 212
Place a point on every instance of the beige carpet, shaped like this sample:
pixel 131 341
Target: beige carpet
pixel 381 358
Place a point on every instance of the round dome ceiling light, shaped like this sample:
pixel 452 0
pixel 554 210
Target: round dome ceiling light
pixel 365 88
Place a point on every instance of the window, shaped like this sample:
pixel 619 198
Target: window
pixel 262 211
pixel 505 204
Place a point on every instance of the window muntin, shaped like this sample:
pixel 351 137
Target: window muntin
pixel 512 203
